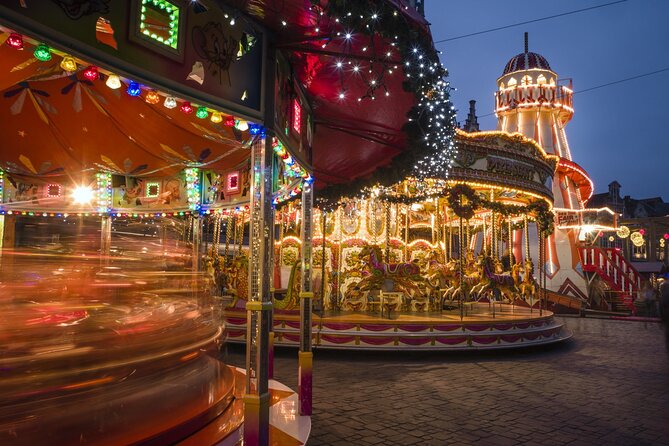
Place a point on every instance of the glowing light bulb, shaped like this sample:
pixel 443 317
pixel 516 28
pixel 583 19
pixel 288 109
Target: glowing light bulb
pixel 15 40
pixel 230 121
pixel 186 108
pixel 170 102
pixel 242 125
pixel 82 195
pixel 113 82
pixel 68 64
pixel 152 97
pixel 202 112
pixel 91 73
pixel 216 118
pixel 134 89
pixel 42 53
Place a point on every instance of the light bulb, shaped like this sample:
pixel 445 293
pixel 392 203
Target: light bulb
pixel 82 195
pixel 68 64
pixel 170 102
pixel 242 125
pixel 113 82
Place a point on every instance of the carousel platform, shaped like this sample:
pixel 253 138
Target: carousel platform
pixel 481 328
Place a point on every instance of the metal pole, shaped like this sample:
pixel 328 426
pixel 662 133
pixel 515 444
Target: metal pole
pixel 386 217
pixel 485 243
pixel 541 270
pixel 305 355
pixel 259 304
pixel 324 217
pixel 406 233
pixel 461 261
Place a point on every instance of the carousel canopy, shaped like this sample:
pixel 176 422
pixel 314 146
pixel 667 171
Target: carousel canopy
pixel 59 123
pixel 354 81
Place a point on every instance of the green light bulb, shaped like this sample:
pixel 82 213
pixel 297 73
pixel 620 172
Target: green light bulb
pixel 42 53
pixel 202 112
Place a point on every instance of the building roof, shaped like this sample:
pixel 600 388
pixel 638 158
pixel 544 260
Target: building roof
pixel 526 61
pixel 598 200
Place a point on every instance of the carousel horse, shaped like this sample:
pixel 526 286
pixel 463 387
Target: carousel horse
pixel 372 255
pixel 504 284
pixel 405 276
pixel 234 278
pixel 471 279
pixel 441 277
pixel 529 286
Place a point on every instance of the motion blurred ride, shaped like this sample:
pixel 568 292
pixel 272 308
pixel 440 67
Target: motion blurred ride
pixel 107 350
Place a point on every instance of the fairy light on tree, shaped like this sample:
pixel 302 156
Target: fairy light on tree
pixel 381 41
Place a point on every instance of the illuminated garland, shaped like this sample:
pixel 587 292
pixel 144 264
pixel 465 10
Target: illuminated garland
pixel 2 185
pixel 193 188
pixel 38 213
pixel 104 191
pixel 293 170
pixel 430 130
pixel 463 200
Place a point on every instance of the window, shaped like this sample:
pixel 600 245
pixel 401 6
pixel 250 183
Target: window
pixel 660 254
pixel 501 85
pixel 639 252
pixel 541 79
pixel 527 80
pixel 512 82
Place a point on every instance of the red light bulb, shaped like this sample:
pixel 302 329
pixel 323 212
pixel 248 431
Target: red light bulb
pixel 186 107
pixel 91 73
pixel 15 40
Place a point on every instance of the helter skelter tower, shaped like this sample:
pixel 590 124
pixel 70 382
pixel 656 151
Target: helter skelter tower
pixel 531 100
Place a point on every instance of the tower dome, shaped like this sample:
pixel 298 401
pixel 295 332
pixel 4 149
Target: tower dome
pixel 526 61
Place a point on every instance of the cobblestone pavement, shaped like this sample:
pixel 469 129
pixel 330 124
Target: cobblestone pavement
pixel 609 385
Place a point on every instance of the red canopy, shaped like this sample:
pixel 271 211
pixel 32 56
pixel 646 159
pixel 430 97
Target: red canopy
pixel 352 138
pixel 59 123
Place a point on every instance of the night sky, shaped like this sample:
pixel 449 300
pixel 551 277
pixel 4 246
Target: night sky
pixel 617 132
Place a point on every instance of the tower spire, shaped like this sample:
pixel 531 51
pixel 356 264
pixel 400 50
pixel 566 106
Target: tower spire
pixel 471 124
pixel 526 43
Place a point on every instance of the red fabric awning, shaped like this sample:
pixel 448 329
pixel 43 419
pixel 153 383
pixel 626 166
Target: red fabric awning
pixel 55 124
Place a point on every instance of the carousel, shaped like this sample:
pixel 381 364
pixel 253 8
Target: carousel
pixel 426 264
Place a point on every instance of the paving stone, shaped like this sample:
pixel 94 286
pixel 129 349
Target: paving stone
pixel 608 386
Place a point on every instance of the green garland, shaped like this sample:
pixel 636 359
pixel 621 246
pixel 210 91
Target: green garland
pixel 463 200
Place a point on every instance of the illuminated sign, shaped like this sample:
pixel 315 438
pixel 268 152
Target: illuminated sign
pixel 53 190
pixel 232 182
pixel 297 116
pixel 152 189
